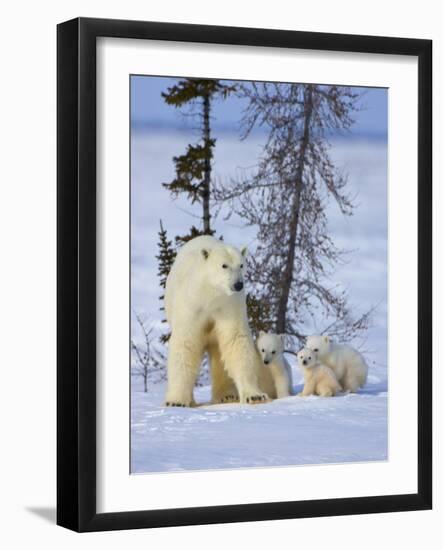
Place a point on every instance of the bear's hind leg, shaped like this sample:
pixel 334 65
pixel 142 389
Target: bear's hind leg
pixel 350 383
pixel 184 359
pixel 223 387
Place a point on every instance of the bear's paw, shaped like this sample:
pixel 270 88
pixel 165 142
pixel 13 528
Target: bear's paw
pixel 256 398
pixel 229 398
pixel 177 404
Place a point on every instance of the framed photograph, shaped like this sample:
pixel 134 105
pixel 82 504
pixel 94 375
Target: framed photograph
pixel 244 274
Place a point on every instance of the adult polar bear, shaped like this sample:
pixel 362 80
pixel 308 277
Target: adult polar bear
pixel 206 310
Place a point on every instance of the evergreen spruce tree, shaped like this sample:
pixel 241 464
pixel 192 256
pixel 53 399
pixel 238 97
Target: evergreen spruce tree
pixel 193 168
pixel 165 257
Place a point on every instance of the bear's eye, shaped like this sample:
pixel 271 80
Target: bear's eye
pixel 225 266
pixel 309 358
pixel 316 349
pixel 241 266
pixel 273 352
pixel 263 351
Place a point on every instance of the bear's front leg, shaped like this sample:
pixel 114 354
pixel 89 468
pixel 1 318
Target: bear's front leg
pixel 241 363
pixel 184 358
pixel 308 389
pixel 246 382
pixel 223 387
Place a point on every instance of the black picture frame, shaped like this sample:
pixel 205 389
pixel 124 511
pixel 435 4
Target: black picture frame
pixel 76 273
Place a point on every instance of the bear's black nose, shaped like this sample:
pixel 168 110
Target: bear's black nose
pixel 238 286
pixel 266 362
pixel 305 362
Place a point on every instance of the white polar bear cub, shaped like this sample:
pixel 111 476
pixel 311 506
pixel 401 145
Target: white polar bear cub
pixel 347 363
pixel 319 379
pixel 270 346
pixel 206 309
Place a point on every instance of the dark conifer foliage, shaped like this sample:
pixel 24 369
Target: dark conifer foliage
pixel 165 259
pixel 193 168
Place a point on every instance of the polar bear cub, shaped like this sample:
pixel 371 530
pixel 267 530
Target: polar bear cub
pixel 319 379
pixel 347 363
pixel 270 347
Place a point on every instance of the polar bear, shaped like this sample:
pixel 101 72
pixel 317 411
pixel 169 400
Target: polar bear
pixel 270 347
pixel 347 363
pixel 206 309
pixel 319 379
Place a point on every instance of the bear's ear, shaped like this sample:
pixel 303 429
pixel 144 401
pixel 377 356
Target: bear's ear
pixel 205 253
pixel 244 251
pixel 326 339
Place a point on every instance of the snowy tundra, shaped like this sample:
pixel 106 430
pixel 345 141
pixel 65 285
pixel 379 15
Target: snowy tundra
pixel 294 430
pixel 291 431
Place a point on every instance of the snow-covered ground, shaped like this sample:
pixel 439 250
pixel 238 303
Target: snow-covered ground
pixel 347 428
pixel 290 431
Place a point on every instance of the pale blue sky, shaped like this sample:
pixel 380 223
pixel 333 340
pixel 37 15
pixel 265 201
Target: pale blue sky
pixel 149 109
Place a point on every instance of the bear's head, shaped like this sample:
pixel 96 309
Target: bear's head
pixel 307 358
pixel 224 268
pixel 319 344
pixel 269 346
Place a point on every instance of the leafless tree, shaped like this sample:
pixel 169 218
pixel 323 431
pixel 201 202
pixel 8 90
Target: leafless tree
pixel 148 361
pixel 286 198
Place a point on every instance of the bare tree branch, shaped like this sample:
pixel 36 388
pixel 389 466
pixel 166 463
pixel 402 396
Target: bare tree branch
pixel 286 196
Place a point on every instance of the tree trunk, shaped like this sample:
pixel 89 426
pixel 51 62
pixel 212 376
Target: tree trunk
pixel 207 175
pixel 287 277
pixel 145 380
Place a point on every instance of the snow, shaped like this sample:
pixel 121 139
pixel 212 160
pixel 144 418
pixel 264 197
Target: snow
pixel 363 275
pixel 291 431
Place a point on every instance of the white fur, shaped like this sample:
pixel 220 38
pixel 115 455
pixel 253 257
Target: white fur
pixel 319 379
pixel 347 363
pixel 270 347
pixel 207 314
